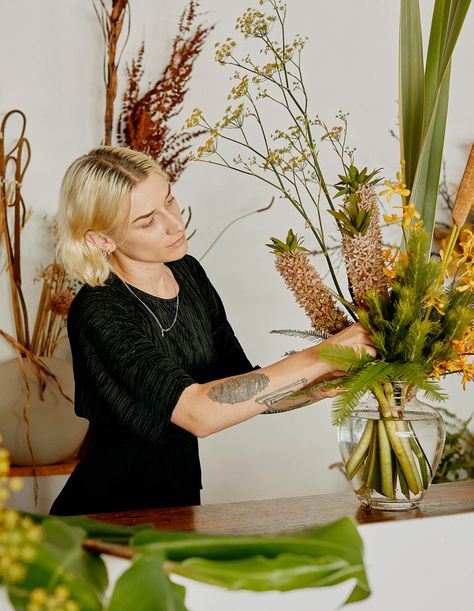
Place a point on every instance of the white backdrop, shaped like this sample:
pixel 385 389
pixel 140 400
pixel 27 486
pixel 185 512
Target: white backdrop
pixel 52 70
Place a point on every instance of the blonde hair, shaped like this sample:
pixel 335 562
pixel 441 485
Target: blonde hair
pixel 92 193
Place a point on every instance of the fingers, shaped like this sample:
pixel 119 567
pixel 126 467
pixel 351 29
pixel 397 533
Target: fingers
pixel 357 337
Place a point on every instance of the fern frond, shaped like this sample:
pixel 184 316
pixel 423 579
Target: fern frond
pixel 311 335
pixel 415 374
pixel 356 387
pixel 344 357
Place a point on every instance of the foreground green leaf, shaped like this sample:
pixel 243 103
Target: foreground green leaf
pixel 146 587
pixel 60 560
pixel 309 558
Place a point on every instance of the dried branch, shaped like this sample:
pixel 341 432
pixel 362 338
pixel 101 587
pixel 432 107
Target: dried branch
pixel 143 123
pixel 111 22
pixel 13 165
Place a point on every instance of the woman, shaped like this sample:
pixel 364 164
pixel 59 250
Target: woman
pixel 156 363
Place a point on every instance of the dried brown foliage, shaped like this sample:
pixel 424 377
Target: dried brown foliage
pixel 143 123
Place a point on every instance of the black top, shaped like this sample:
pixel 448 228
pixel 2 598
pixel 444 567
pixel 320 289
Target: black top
pixel 128 379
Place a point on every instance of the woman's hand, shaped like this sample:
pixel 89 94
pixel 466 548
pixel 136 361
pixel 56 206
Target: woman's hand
pixel 354 336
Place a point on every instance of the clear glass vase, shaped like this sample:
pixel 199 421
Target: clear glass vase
pixel 391 445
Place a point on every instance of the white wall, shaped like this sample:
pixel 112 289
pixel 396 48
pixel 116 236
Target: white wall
pixel 52 65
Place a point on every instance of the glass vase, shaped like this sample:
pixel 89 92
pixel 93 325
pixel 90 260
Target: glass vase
pixel 391 445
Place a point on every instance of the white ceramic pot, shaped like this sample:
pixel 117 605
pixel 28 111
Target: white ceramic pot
pixel 55 431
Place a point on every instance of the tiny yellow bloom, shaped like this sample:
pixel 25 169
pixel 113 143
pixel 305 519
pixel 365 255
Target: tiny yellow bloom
pixel 16 484
pixel 39 596
pixel 394 188
pixel 16 572
pixel 392 218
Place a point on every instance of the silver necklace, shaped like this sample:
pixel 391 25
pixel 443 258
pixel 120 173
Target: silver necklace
pixel 163 330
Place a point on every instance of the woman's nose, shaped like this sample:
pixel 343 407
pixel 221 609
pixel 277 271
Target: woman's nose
pixel 175 222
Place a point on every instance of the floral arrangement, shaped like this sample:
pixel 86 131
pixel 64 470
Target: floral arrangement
pixel 50 563
pixel 420 319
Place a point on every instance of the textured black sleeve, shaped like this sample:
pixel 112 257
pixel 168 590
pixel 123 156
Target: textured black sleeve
pixel 133 380
pixel 233 358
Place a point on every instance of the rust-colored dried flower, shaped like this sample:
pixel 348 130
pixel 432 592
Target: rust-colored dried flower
pixel 143 123
pixel 60 301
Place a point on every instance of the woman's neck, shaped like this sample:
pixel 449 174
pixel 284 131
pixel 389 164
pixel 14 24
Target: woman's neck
pixel 156 279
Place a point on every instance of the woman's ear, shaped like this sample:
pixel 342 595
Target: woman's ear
pixel 101 241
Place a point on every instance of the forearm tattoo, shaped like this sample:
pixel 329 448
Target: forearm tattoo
pixel 238 390
pixel 276 409
pixel 278 395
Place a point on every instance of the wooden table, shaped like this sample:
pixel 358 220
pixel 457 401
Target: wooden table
pixel 277 515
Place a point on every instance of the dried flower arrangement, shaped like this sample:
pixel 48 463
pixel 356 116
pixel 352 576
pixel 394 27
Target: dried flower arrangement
pixel 420 321
pixel 143 124
pixel 144 121
pixel 57 290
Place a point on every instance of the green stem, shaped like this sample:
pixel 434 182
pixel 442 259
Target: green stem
pixel 403 482
pixel 400 446
pixel 422 461
pixel 360 452
pixel 371 475
pixel 385 454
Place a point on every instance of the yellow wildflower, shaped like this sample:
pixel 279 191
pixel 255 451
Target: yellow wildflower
pixel 232 118
pixel 392 218
pixel 223 50
pixel 240 89
pixel 467 283
pixel 395 188
pixel 254 23
pixel 437 304
pixel 16 484
pixel 333 134
pixel 194 119
pixel 409 214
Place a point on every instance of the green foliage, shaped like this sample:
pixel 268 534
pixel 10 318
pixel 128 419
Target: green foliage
pixel 60 560
pixel 145 587
pixel 352 219
pixel 317 556
pixel 292 244
pixel 351 182
pixel 312 557
pixel 346 358
pixel 423 98
pixel 412 329
pixel 457 460
pixel 110 533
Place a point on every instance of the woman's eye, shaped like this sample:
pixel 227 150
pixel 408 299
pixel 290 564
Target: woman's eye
pixel 150 222
pixel 171 200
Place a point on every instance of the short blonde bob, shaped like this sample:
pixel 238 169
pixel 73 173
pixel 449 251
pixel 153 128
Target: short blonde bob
pixel 93 190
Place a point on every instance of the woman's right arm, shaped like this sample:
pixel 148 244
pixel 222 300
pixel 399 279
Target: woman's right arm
pixel 207 408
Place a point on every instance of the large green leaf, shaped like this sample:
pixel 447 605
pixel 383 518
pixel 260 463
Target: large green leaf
pixel 285 561
pixel 284 572
pixel 145 587
pixel 423 158
pixel 60 560
pixel 111 533
pixel 426 182
pixel 411 86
